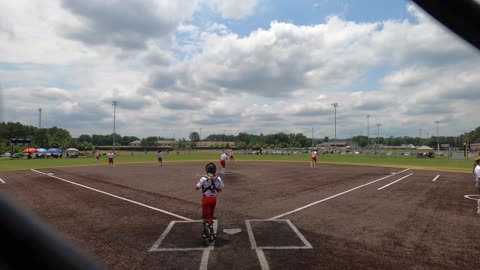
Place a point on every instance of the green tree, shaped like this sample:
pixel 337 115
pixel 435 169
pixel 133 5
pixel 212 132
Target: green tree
pixel 242 145
pixel 85 138
pixel 194 136
pixel 59 137
pixel 40 138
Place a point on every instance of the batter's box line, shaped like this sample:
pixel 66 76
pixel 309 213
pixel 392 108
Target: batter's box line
pixel 156 245
pixel 253 242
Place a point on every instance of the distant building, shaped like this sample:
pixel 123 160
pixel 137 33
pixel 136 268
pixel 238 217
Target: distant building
pixel 160 143
pixel 207 144
pixel 333 144
pixel 165 143
pixel 135 143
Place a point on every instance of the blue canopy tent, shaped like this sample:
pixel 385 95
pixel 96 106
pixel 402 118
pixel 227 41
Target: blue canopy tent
pixel 54 152
pixel 42 150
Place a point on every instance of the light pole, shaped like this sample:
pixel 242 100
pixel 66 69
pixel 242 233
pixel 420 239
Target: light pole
pixel 39 117
pixel 438 139
pixel 114 103
pixel 335 106
pixel 368 130
pixel 378 135
pixel 420 131
pixel 200 135
pixel 312 137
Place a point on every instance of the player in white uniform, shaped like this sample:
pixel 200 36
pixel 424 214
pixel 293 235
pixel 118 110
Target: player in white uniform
pixel 223 160
pixel 313 161
pixel 97 156
pixel 476 174
pixel 160 158
pixel 110 157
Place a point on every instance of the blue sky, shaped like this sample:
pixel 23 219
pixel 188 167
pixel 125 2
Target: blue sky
pixel 251 66
pixel 314 12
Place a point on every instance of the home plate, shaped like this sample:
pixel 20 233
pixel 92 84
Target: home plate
pixel 232 231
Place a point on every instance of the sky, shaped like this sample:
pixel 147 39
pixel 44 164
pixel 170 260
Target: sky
pixel 224 67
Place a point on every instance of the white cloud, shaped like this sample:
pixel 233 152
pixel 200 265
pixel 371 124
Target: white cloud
pixel 178 75
pixel 231 9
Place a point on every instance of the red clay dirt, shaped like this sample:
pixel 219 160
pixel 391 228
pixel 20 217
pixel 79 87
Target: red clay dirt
pixel 415 223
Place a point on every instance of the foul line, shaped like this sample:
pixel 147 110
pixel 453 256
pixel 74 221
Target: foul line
pixel 336 195
pixel 394 182
pixel 1 181
pixel 436 177
pixel 115 196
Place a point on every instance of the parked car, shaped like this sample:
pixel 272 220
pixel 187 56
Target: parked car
pixel 7 154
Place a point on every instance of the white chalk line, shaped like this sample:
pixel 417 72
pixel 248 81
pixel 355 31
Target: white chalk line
pixel 116 196
pixel 156 245
pixel 262 259
pixel 394 182
pixel 436 177
pixel 1 181
pixel 334 196
pixel 472 197
pixel 206 250
pixel 259 249
pixel 300 235
pixel 204 261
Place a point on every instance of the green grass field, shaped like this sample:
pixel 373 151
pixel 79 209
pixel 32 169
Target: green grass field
pixel 438 164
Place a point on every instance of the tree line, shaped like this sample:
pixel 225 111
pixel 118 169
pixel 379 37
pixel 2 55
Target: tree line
pixel 56 137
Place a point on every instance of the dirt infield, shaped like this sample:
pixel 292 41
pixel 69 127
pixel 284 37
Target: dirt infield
pixel 291 216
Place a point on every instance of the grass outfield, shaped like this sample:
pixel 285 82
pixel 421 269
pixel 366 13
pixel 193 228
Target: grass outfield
pixel 437 164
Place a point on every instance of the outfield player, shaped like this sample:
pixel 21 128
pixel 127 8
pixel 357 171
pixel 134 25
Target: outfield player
pixel 223 160
pixel 211 185
pixel 313 161
pixel 476 174
pixel 111 156
pixel 160 158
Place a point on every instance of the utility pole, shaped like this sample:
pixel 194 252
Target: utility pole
pixel 335 106
pixel 39 117
pixel 438 139
pixel 312 137
pixel 420 131
pixel 114 103
pixel 378 135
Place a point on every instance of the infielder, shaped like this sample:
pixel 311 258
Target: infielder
pixel 223 160
pixel 313 161
pixel 111 156
pixel 160 158
pixel 97 156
